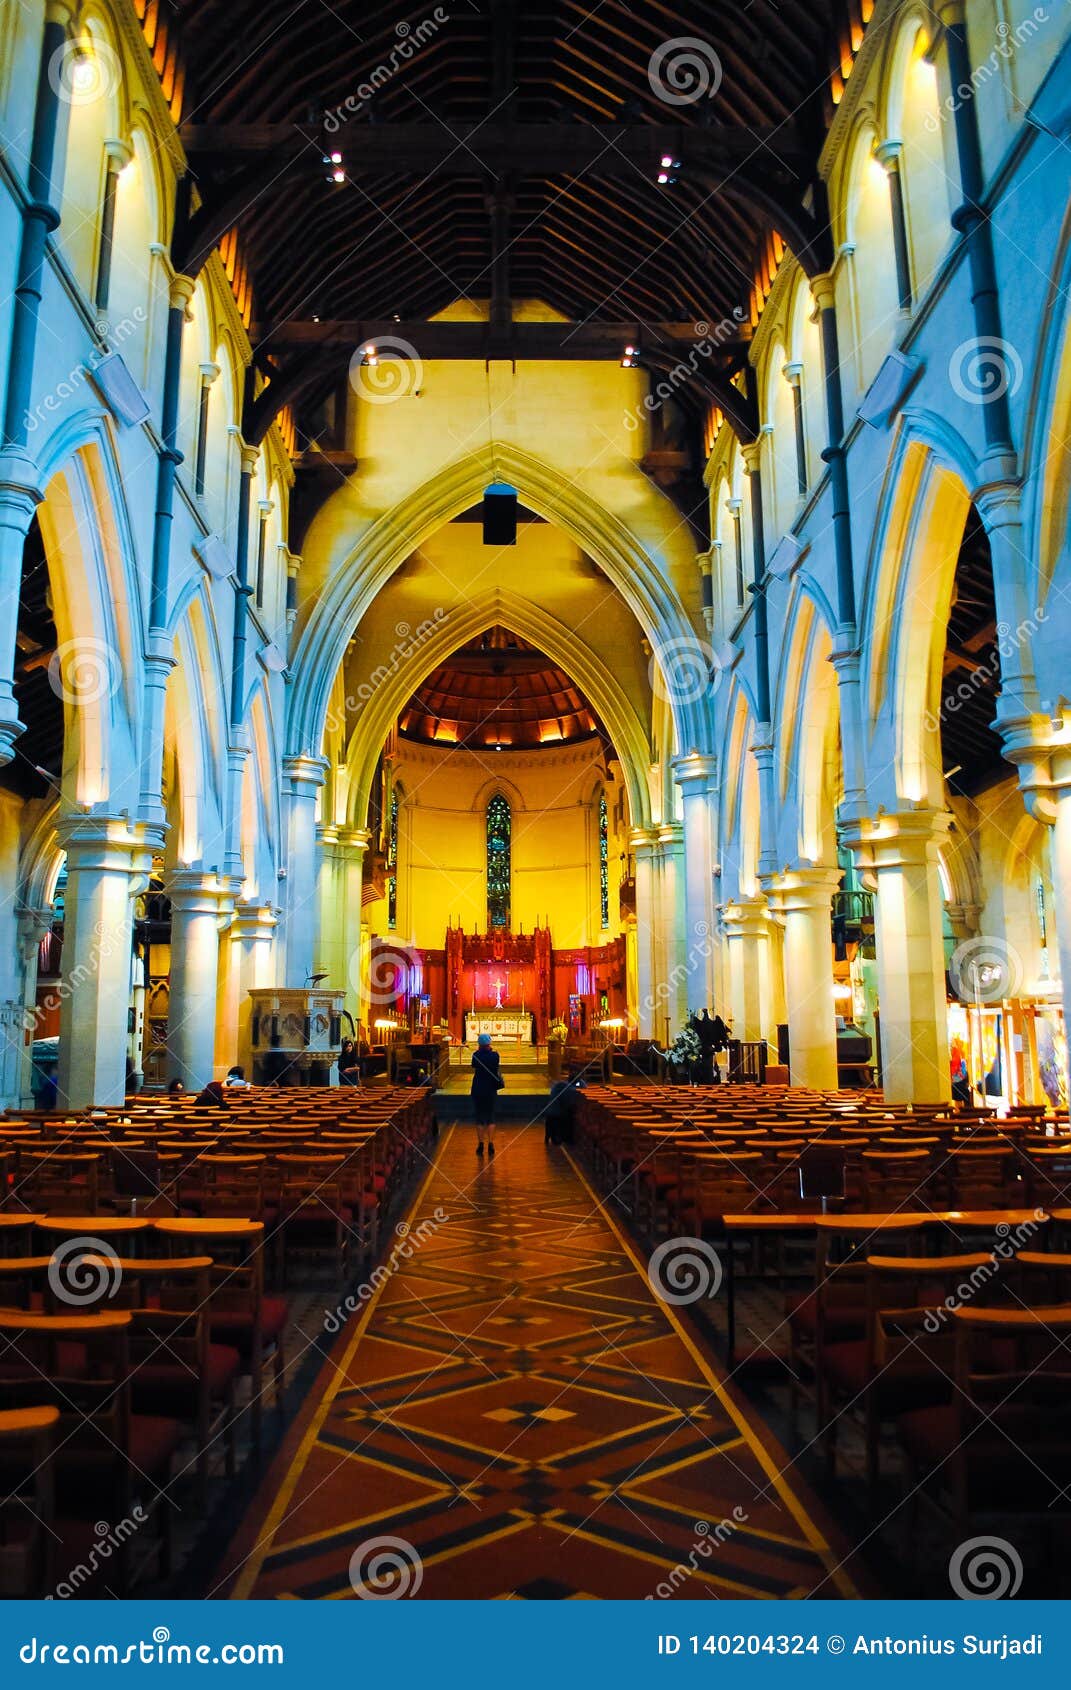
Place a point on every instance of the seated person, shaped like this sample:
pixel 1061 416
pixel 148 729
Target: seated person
pixel 236 1080
pixel 349 1066
pixel 212 1097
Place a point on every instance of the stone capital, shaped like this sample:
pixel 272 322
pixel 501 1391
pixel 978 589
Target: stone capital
pixel 181 291
pixel 793 372
pixel 901 839
pixel 193 891
pixel 805 887
pixel 824 291
pixel 888 154
pixel 305 774
pixel 253 922
pixel 643 841
pixel 695 774
pixel 747 918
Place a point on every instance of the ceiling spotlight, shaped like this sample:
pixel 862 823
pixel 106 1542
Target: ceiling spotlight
pixel 662 177
pixel 667 160
pixel 336 158
pixel 338 175
pixel 629 357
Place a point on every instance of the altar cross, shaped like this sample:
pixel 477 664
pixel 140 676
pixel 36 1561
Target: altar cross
pixel 498 985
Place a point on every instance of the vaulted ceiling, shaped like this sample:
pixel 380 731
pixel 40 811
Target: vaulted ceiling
pixel 505 150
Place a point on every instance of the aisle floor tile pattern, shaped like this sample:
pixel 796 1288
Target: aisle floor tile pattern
pixel 519 1416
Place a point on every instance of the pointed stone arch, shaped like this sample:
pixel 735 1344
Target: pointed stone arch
pixel 394 536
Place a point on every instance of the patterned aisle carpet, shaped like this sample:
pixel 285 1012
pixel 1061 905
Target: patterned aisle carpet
pixel 515 1414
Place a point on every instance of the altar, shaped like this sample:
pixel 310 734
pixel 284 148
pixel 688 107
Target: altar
pixel 515 1024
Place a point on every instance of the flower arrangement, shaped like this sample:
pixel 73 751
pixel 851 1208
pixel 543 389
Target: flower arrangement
pixel 685 1048
pixel 557 1032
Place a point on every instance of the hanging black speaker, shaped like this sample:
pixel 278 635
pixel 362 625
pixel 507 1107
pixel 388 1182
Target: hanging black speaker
pixel 500 515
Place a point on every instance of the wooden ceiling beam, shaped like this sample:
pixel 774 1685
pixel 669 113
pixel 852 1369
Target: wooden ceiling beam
pixel 498 145
pixel 452 340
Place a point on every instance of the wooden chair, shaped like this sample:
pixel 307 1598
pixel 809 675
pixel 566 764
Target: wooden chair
pixel 242 1317
pixel 999 1449
pixel 107 1459
pixel 27 1505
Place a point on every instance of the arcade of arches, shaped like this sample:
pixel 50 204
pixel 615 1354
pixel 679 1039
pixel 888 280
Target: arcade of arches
pixel 758 701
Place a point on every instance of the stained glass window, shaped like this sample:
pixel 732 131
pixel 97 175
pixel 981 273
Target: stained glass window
pixel 392 863
pixel 498 862
pixel 604 862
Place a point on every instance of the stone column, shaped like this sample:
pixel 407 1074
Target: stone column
pixel 677 979
pixel 901 853
pixel 747 929
pixel 644 844
pixel 251 943
pixel 302 779
pixel 107 862
pixel 695 776
pixel 805 899
pixel 199 902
